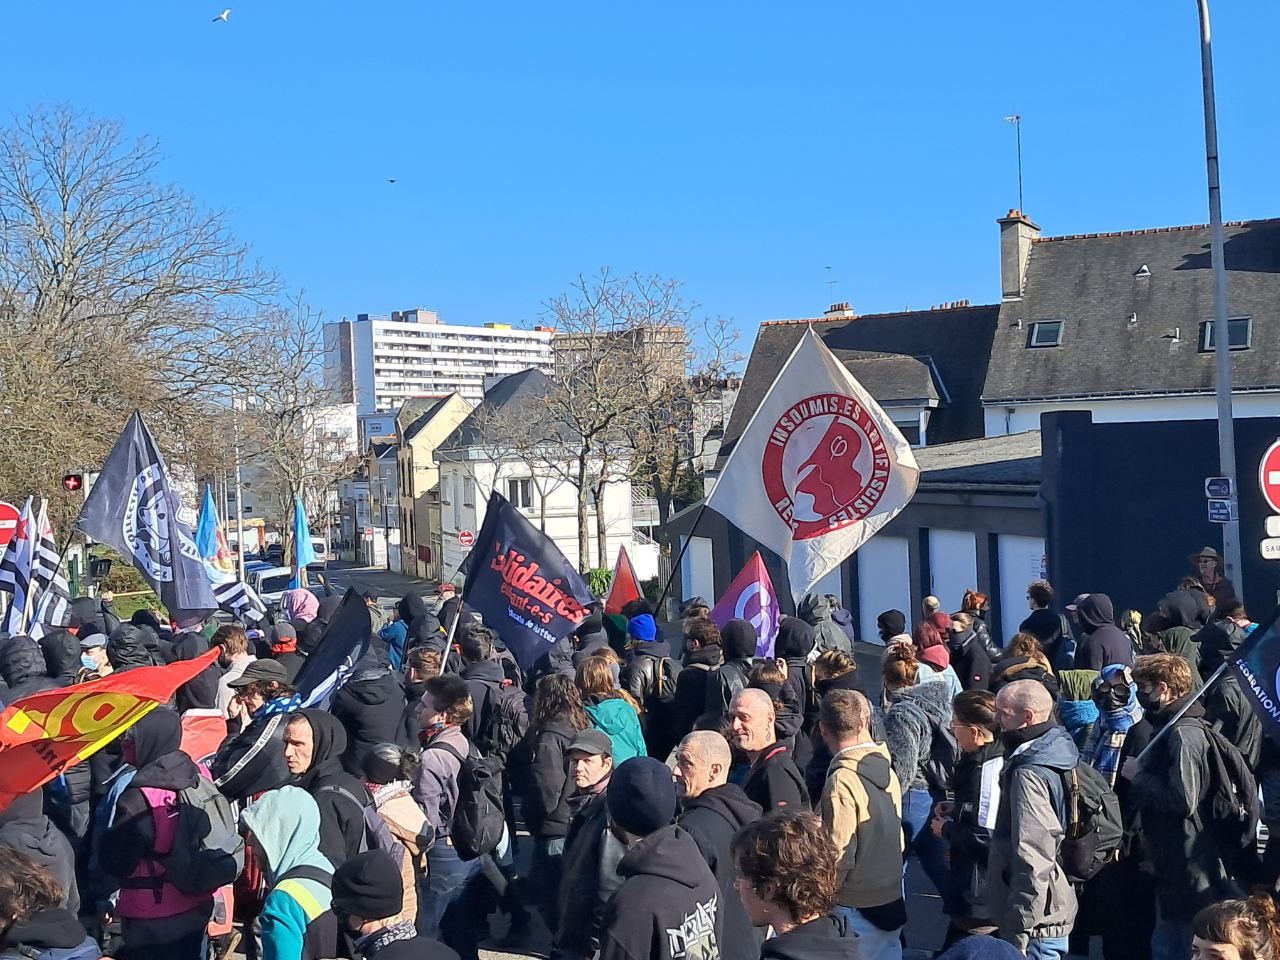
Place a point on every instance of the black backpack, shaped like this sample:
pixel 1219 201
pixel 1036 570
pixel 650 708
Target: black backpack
pixel 503 723
pixel 1230 810
pixel 478 817
pixel 1093 828
pixel 208 851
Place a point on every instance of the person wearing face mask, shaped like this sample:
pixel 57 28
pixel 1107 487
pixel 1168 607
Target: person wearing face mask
pixel 1168 787
pixel 93 658
pixel 233 657
pixel 1115 696
pixel 368 897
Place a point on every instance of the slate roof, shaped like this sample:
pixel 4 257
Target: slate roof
pixel 523 394
pixel 1089 282
pixel 434 406
pixel 1012 459
pixel 955 342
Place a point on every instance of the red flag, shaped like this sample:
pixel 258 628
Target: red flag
pixel 43 734
pixel 624 587
pixel 751 597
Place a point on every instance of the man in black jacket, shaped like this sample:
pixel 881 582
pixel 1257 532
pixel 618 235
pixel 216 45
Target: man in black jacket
pixel 650 677
pixel 313 746
pixel 669 906
pixel 368 896
pixel 739 641
pixel 713 810
pixel 702 658
pixel 586 852
pixel 370 706
pixel 770 776
pixel 1102 643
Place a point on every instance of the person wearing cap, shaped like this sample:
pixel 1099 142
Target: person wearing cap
pixel 368 896
pixel 590 851
pixel 1208 566
pixel 93 658
pixel 263 689
pixel 668 906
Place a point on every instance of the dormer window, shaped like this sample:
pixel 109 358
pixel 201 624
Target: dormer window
pixel 1045 333
pixel 1240 330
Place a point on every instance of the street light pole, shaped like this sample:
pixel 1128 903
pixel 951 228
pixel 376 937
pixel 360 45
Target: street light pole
pixel 1221 330
pixel 386 536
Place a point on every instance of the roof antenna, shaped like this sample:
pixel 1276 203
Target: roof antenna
pixel 1016 120
pixel 831 287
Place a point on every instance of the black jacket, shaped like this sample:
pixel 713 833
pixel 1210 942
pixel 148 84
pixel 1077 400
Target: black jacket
pixel 1049 628
pixel 1226 705
pixel 773 781
pixel 827 938
pixel 581 912
pixel 340 796
pixel 690 701
pixel 371 708
pixel 589 637
pixel 983 633
pixel 48 934
pixel 540 772
pixel 733 676
pixel 25 828
pixel 713 818
pixel 61 655
pixel 23 668
pixel 970 660
pixel 668 907
pixel 484 678
pixel 640 675
pixel 1102 643
pixel 968 835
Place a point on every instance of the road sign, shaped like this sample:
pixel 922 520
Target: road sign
pixel 1217 488
pixel 368 533
pixel 1269 476
pixel 1220 511
pixel 1270 548
pixel 466 538
pixel 1273 526
pixel 8 522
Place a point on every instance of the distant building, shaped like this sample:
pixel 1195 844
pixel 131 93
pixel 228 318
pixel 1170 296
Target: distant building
pixel 663 350
pixel 378 362
pixel 422 425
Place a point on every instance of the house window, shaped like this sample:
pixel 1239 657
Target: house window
pixel 520 492
pixel 1240 330
pixel 1045 333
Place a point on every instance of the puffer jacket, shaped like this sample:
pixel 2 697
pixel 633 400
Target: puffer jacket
pixel 815 610
pixel 1028 893
pixel 914 715
pixel 968 833
pixel 539 769
pixel 23 668
pixel 371 708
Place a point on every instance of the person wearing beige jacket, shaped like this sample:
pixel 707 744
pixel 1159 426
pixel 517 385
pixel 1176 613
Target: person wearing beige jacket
pixel 861 809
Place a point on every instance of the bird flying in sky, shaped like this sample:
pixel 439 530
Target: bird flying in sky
pixel 223 16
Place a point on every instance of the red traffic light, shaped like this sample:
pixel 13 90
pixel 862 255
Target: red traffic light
pixel 72 482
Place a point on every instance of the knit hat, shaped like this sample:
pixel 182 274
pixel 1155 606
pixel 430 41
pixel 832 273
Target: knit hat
pixel 643 628
pixel 368 886
pixel 642 796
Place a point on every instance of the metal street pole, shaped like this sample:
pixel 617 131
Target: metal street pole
pixel 386 536
pixel 235 431
pixel 1221 331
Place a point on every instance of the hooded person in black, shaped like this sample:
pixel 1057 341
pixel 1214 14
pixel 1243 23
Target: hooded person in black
pixel 130 647
pixel 201 691
pixel 794 645
pixel 738 638
pixel 669 905
pixel 371 707
pixel 91 615
pixel 422 627
pixel 61 655
pixel 1180 613
pixel 1102 643
pixel 25 828
pixel 23 668
pixel 1226 706
pixel 341 797
pixel 590 635
pixel 557 659
pixel 969 658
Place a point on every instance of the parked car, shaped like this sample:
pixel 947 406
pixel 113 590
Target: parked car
pixel 270 582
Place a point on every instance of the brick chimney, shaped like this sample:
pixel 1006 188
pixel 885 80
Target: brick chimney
pixel 842 309
pixel 1016 235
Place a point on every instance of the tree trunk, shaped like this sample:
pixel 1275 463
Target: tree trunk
pixel 602 535
pixel 584 538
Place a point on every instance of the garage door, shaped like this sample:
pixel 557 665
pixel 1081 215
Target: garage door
pixel 1021 561
pixel 953 566
pixel 884 582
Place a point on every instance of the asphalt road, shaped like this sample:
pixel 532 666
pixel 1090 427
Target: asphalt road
pixel 388 585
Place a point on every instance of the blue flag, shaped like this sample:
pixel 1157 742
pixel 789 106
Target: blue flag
pixel 1256 665
pixel 207 526
pixel 231 593
pixel 133 509
pixel 302 548
pixel 521 584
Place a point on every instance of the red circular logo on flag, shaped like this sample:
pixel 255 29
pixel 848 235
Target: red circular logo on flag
pixel 826 465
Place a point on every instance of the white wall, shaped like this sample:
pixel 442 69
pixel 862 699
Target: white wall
pixel 697 573
pixel 832 583
pixel 884 582
pixel 1026 416
pixel 1021 562
pixel 953 566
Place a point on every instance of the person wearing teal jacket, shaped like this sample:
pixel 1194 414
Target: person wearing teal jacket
pixel 297 920
pixel 608 708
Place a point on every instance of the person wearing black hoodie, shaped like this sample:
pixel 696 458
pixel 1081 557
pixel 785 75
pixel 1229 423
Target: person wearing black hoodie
pixel 133 853
pixel 787 865
pixel 370 706
pixel 795 644
pixel 314 743
pixel 130 647
pixel 668 905
pixel 713 810
pixel 32 925
pixel 703 655
pixel 1102 643
pixel 22 666
pixel 61 655
pixel 739 639
pixel 1226 706
pixel 969 658
pixel 68 797
pixel 589 636
pixel 25 828
pixel 422 627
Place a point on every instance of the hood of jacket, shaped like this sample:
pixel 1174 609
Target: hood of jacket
pixel 328 743
pixel 813 608
pixel 87 612
pixel 1180 608
pixel 591 625
pixel 286 824
pixel 61 654
pixel 412 607
pixel 873 763
pixel 374 687
pixel 709 656
pixel 669 853
pixel 299 605
pixel 45 930
pixel 22 660
pixel 157 755
pixel 1094 611
pixel 25 828
pixel 739 640
pixel 932 698
pixel 727 801
pixel 132 646
pixel 489 671
pixel 652 648
pixel 795 639
pixel 1217 641
pixel 1054 748
pixel 826 938
pixel 201 691
pixel 891 623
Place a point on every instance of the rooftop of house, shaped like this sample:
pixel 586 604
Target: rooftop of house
pixel 1013 459
pixel 517 398
pixel 426 410
pixel 1131 308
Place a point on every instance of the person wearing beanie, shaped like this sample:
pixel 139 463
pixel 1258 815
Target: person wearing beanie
pixel 284 648
pixel 649 675
pixel 892 626
pixel 739 639
pixel 589 636
pixel 668 906
pixel 368 893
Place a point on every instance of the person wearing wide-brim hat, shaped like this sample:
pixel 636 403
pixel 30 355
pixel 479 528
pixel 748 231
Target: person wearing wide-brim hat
pixel 1208 565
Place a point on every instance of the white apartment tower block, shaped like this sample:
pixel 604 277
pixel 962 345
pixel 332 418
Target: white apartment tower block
pixel 379 362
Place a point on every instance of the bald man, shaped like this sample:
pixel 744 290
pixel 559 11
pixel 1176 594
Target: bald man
pixel 1028 893
pixel 712 810
pixel 768 773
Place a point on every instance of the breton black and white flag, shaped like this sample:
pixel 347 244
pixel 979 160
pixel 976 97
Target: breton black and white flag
pixel 15 571
pixel 53 608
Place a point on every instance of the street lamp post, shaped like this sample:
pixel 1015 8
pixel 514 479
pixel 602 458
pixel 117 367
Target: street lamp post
pixel 1221 330
pixel 386 536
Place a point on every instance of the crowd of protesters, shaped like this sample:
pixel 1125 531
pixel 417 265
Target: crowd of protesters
pixel 673 794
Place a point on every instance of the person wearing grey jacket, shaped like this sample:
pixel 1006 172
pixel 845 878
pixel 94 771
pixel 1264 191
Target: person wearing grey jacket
pixel 1028 894
pixel 815 610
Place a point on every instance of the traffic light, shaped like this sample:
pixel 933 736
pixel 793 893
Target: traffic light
pixel 73 482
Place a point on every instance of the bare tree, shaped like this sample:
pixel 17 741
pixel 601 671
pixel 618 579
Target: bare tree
pixel 117 292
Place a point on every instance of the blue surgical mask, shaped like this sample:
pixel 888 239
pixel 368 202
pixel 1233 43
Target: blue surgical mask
pixel 88 662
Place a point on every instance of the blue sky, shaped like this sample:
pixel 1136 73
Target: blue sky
pixel 740 147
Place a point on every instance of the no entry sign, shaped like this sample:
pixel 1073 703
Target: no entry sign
pixel 8 522
pixel 466 538
pixel 1269 476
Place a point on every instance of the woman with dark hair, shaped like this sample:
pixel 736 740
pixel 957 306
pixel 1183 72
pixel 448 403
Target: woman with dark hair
pixel 975 605
pixel 32 924
pixel 1237 930
pixel 541 775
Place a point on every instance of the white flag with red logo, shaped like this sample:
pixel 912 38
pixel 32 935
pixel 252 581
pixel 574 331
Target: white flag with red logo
pixel 819 469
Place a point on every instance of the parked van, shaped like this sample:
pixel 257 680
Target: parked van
pixel 321 563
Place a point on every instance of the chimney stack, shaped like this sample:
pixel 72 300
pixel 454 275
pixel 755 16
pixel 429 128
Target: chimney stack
pixel 842 309
pixel 1017 232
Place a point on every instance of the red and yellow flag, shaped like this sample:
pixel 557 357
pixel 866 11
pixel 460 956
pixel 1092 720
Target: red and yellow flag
pixel 43 734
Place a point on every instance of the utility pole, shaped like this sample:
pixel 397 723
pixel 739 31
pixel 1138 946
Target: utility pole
pixel 386 536
pixel 235 433
pixel 1221 330
pixel 1016 120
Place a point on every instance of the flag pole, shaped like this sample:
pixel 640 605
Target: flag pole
pixel 1213 678
pixel 448 637
pixel 680 556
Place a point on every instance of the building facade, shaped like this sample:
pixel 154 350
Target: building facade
pixel 378 362
pixel 419 432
